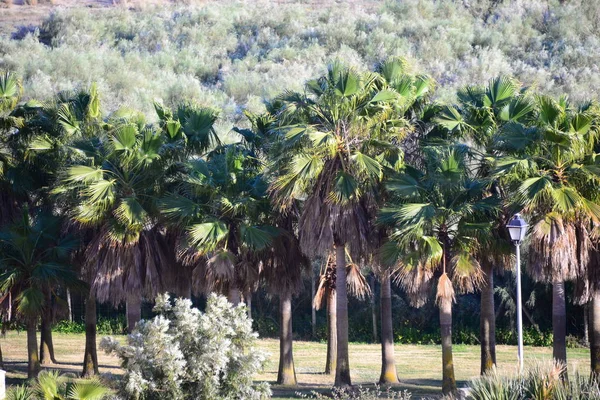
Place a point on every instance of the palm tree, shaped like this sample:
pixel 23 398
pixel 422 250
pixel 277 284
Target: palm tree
pixel 412 104
pixel 436 234
pixel 333 135
pixel 551 165
pixel 115 192
pixel 51 386
pixel 282 268
pixel 481 112
pixel 325 297
pixel 219 203
pixel 34 260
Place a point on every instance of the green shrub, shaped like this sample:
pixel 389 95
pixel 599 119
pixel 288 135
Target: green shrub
pixel 539 382
pixel 360 393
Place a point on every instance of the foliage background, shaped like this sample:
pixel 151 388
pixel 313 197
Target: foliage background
pixel 233 54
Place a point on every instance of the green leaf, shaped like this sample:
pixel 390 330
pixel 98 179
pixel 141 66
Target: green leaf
pixel 179 208
pixel 131 212
pixel 88 390
pixel 256 237
pixel 384 96
pixel 390 253
pixel 533 188
pixel 345 188
pixel 41 143
pixel 82 173
pixel 207 236
pixel 451 119
pixel 567 199
pixel 348 83
pixel 404 185
pixel 101 191
pixel 416 212
pixel 124 137
pixel 368 166
pixel 499 90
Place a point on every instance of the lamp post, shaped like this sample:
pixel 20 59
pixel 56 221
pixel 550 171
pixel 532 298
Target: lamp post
pixel 517 228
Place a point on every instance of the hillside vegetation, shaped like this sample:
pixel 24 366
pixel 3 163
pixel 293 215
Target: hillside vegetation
pixel 233 55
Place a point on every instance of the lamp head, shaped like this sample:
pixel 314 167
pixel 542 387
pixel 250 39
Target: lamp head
pixel 517 228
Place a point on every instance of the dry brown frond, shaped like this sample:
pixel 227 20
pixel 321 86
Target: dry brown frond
pixel 356 282
pixel 554 250
pixel 445 290
pixel 416 282
pixel 124 269
pixel 326 285
pixel 467 274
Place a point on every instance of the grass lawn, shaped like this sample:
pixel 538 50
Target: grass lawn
pixel 419 367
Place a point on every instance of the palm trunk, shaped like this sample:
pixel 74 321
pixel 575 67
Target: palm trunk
pixel 559 323
pixel 448 379
pixel 90 356
pixel 313 315
pixel 586 323
pixel 46 345
pixel 33 362
pixel 69 305
pixel 373 308
pixel 330 364
pixel 287 373
pixel 234 295
pixel 249 303
pixel 388 363
pixel 134 312
pixel 594 335
pixel 342 371
pixel 487 328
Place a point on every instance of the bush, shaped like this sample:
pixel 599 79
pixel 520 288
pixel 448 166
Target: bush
pixel 361 393
pixel 104 326
pixel 539 382
pixel 184 354
pixel 49 385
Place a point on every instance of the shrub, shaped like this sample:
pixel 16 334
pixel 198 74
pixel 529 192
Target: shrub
pixel 184 354
pixel 49 385
pixel 539 382
pixel 360 393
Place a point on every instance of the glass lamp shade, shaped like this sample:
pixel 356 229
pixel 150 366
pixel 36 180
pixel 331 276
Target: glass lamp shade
pixel 517 228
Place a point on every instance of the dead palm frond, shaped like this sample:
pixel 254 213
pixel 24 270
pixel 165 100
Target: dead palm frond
pixel 445 290
pixel 416 282
pixel 554 249
pixel 356 282
pixel 327 284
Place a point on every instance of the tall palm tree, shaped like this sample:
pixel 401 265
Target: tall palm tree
pixel 550 164
pixel 333 136
pixel 413 105
pixel 475 121
pixel 436 234
pixel 34 259
pixel 325 297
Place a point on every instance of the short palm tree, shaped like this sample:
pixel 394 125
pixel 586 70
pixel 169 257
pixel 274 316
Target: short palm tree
pixel 218 202
pixel 114 190
pixel 551 165
pixel 51 386
pixel 334 136
pixel 34 259
pixel 436 234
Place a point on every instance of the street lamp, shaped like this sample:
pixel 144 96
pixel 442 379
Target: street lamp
pixel 517 228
